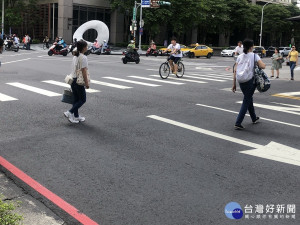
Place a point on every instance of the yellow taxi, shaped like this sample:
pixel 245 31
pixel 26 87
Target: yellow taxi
pixel 260 50
pixel 201 50
pixel 183 48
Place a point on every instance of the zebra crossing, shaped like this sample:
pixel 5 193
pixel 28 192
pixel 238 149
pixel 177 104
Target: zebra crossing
pixel 124 83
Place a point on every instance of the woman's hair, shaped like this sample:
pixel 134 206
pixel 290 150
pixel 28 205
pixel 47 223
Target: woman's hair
pixel 277 49
pixel 80 46
pixel 247 44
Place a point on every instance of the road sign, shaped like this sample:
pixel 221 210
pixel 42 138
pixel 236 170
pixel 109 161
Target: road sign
pixel 141 31
pixel 134 14
pixel 145 3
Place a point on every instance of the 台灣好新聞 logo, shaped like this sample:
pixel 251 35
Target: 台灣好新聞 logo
pixel 233 211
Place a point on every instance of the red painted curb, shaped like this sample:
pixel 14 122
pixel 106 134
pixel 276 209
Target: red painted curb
pixel 71 210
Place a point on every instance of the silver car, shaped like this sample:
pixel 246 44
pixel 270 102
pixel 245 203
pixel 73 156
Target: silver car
pixel 284 51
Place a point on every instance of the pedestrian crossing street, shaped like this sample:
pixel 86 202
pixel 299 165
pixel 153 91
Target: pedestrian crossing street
pixel 128 82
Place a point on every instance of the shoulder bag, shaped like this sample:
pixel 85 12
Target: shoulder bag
pixel 261 79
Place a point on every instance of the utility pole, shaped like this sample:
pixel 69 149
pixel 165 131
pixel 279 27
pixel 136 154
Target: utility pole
pixel 2 24
pixel 53 22
pixel 262 20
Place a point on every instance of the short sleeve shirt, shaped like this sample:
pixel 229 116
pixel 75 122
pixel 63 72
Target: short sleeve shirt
pixel 75 62
pixel 293 56
pixel 177 46
pixel 243 58
pixel 239 50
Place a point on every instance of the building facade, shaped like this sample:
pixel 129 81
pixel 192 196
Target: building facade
pixel 63 17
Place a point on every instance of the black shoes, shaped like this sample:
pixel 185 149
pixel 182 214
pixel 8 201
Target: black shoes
pixel 256 120
pixel 239 127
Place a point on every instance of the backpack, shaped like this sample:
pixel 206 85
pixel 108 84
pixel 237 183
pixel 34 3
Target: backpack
pixel 243 69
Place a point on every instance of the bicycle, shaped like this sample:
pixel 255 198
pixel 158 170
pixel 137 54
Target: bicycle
pixel 45 46
pixel 164 69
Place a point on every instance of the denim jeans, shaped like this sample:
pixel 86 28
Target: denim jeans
pixel 292 66
pixel 248 89
pixel 79 97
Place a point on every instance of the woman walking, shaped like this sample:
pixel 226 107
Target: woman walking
pixel 293 57
pixel 244 74
pixel 276 62
pixel 78 90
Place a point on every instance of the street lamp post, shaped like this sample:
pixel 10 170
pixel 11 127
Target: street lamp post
pixel 262 20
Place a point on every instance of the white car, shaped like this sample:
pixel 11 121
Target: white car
pixel 228 51
pixel 284 51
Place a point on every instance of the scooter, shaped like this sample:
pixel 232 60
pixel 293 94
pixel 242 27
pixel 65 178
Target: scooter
pixel 56 49
pixel 14 47
pixel 151 51
pixel 131 57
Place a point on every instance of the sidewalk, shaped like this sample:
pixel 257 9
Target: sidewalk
pixel 32 210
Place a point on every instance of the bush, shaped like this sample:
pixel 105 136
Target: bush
pixel 7 217
pixel 36 41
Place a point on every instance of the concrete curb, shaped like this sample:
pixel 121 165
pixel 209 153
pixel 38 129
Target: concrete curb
pixel 32 210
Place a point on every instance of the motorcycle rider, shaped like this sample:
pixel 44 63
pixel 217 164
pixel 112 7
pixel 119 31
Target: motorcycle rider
pixel 95 45
pixel 104 46
pixel 60 44
pixel 10 41
pixel 152 48
pixel 132 49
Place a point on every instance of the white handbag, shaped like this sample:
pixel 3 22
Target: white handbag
pixel 69 79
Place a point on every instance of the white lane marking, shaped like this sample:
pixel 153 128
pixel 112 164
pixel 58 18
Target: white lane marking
pixel 289 93
pixel 132 81
pixel 6 98
pixel 262 118
pixel 152 69
pixel 184 80
pixel 276 108
pixel 34 89
pixel 41 56
pixel 215 75
pixel 276 152
pixel 162 81
pixel 203 68
pixel 206 132
pixel 61 84
pixel 211 76
pixel 273 151
pixel 203 78
pixel 21 60
pixel 109 84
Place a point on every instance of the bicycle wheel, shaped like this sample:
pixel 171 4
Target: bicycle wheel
pixel 164 70
pixel 180 71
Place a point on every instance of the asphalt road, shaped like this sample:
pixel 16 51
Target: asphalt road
pixel 123 167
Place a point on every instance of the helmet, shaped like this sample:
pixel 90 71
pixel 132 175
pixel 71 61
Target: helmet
pixel 104 41
pixel 132 41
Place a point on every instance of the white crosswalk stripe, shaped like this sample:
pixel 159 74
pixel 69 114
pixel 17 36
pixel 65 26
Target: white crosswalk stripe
pixel 204 78
pixel 211 76
pixel 184 80
pixel 61 84
pixel 34 89
pixel 109 84
pixel 162 81
pixel 6 98
pixel 132 81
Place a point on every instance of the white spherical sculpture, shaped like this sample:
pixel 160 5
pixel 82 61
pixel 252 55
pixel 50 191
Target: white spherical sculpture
pixel 100 27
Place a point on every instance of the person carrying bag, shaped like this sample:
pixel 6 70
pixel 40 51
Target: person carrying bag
pixel 244 74
pixel 80 82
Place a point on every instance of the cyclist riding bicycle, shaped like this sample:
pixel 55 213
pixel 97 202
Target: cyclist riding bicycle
pixel 175 57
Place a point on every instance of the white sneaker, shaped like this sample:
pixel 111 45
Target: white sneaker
pixel 80 118
pixel 72 119
pixel 67 114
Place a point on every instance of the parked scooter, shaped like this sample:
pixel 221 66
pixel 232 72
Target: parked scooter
pixel 13 47
pixel 57 49
pixel 131 57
